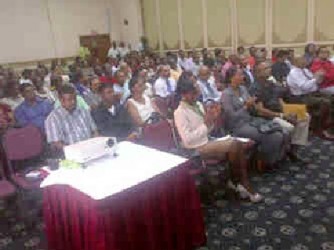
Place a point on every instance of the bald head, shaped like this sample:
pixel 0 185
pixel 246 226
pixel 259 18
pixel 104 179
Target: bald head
pixel 204 73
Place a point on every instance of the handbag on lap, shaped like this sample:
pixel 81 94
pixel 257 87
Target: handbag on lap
pixel 265 126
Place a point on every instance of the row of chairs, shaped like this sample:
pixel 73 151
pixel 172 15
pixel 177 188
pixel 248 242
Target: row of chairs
pixel 21 144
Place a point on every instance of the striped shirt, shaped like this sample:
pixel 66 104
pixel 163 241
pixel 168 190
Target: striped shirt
pixel 69 128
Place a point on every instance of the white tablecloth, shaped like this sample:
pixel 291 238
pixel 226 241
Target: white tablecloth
pixel 110 175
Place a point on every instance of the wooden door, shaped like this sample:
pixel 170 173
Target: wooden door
pixel 98 45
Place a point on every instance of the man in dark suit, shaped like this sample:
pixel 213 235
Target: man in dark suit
pixel 111 117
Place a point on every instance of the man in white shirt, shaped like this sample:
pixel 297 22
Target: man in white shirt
pixel 123 50
pixel 303 85
pixel 301 80
pixel 207 85
pixel 12 95
pixel 121 88
pixel 113 51
pixel 164 85
pixel 196 64
pixel 182 61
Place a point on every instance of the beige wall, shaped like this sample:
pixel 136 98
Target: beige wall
pixel 39 29
pixel 190 24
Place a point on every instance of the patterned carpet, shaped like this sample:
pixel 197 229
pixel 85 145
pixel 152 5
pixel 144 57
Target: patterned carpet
pixel 297 213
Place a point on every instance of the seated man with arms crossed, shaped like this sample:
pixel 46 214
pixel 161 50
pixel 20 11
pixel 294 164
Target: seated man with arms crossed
pixel 68 123
pixel 194 125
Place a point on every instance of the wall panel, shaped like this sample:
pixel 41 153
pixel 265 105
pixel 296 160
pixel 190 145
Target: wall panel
pixel 150 23
pixel 71 19
pixel 219 23
pixel 251 22
pixel 324 19
pixel 169 24
pixel 25 31
pixel 289 21
pixel 192 22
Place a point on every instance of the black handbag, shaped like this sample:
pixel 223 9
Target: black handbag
pixel 265 126
pixel 154 118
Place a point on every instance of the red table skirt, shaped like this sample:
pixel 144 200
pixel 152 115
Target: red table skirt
pixel 163 213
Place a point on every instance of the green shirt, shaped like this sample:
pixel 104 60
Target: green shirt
pixel 84 52
pixel 80 103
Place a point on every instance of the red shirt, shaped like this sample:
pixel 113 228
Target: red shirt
pixel 251 62
pixel 105 79
pixel 326 66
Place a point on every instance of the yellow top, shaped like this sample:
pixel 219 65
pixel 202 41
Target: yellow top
pixel 298 109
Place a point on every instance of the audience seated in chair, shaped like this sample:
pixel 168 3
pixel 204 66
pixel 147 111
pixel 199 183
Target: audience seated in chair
pixel 323 63
pixel 56 85
pixel 304 85
pixel 194 126
pixel 252 57
pixel 183 62
pixel 111 118
pixel 207 85
pixel 68 123
pixel 12 95
pixel 121 88
pixel 140 107
pixel 239 108
pixel 248 73
pixel 148 86
pixel 6 118
pixel 91 96
pixel 232 61
pixel 280 69
pixel 164 85
pixel 310 53
pixel 33 110
pixel 196 64
pixel 113 52
pixel 79 82
pixel 41 90
pixel 270 105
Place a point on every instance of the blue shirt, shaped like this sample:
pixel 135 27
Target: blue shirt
pixel 27 114
pixel 81 89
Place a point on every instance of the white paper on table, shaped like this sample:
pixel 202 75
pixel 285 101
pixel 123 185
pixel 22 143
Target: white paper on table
pixel 110 175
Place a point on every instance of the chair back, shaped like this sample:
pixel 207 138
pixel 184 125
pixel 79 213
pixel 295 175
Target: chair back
pixel 162 105
pixel 159 136
pixel 23 143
